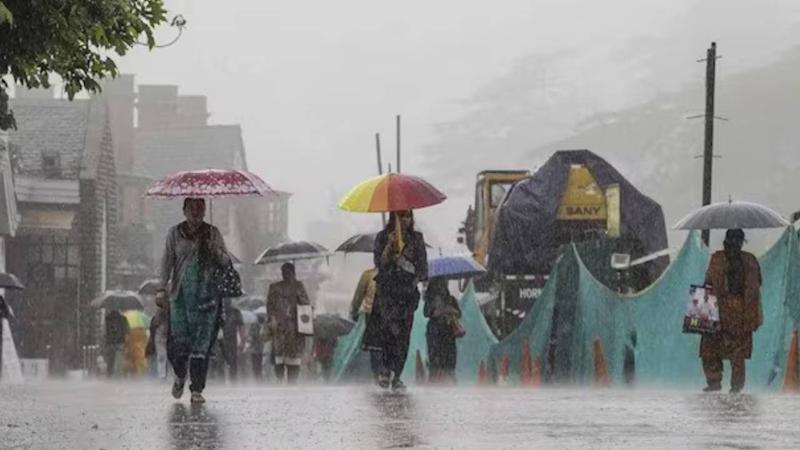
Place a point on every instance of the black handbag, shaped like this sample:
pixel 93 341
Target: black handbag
pixel 228 282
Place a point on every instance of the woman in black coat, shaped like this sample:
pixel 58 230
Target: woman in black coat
pixel 401 262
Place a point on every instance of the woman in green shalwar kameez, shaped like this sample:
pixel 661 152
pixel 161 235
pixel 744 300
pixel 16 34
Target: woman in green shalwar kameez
pixel 194 250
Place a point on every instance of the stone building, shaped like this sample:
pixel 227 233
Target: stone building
pixel 65 180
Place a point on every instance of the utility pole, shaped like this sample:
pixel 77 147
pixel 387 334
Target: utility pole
pixel 398 143
pixel 708 148
pixel 380 167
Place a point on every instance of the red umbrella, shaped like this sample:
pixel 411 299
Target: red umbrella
pixel 209 183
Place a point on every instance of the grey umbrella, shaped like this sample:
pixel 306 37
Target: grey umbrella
pixel 730 215
pixel 121 300
pixel 250 302
pixel 292 251
pixel 10 281
pixel 150 287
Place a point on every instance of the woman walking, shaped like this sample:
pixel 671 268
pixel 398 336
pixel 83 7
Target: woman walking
pixel 443 311
pixel 194 251
pixel 401 261
pixel 736 279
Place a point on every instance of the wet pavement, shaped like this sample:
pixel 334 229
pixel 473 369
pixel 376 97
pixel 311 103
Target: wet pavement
pixel 132 415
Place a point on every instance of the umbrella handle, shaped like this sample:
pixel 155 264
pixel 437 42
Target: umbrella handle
pixel 399 233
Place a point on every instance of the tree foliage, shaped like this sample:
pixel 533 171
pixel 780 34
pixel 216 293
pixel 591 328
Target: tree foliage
pixel 74 39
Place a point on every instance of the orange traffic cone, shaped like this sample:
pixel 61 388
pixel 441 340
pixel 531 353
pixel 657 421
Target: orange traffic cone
pixel 504 363
pixel 526 365
pixel 420 370
pixel 601 377
pixel 790 380
pixel 483 376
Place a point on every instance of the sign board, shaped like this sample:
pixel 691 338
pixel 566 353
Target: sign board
pixel 583 199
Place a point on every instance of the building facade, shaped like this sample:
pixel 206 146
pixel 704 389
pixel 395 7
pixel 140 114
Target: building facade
pixel 65 179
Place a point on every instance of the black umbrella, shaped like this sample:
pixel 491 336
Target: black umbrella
pixel 122 300
pixel 10 281
pixel 360 243
pixel 328 326
pixel 292 251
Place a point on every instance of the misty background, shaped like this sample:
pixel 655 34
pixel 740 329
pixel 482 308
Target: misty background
pixel 485 85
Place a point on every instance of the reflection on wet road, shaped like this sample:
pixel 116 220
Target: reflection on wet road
pixel 193 426
pixel 95 415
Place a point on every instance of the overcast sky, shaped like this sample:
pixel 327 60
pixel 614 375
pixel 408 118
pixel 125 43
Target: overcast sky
pixel 312 81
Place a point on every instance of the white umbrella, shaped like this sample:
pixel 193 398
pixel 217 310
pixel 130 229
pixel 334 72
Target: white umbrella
pixel 731 215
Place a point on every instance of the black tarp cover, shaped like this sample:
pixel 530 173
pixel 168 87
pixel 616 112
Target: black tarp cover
pixel 523 240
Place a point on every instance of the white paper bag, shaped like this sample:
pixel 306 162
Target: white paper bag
pixel 305 320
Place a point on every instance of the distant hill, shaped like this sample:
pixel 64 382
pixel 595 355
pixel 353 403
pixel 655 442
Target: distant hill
pixel 656 146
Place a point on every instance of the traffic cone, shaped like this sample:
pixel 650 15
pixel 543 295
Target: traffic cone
pixel 504 363
pixel 601 377
pixel 483 376
pixel 526 365
pixel 790 380
pixel 420 370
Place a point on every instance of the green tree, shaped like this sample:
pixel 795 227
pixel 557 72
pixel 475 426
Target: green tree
pixel 74 39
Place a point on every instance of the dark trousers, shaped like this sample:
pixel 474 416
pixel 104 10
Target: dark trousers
pixel 257 359
pixel 231 356
pixel 713 369
pixel 111 357
pixel 291 373
pixel 395 350
pixel 442 351
pixel 376 363
pixel 197 368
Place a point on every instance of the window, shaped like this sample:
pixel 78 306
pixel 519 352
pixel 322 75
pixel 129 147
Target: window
pixel 52 261
pixel 51 164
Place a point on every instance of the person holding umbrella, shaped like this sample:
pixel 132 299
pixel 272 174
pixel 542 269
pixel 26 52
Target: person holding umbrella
pixel 401 261
pixel 735 277
pixel 117 330
pixel 194 250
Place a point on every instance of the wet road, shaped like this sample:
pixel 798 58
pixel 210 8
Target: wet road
pixel 98 415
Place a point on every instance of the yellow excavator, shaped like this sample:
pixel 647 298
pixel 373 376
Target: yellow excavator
pixel 490 189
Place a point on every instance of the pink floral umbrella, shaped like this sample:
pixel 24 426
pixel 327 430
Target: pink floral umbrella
pixel 209 183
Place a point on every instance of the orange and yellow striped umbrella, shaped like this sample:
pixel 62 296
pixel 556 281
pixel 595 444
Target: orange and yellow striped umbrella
pixel 391 192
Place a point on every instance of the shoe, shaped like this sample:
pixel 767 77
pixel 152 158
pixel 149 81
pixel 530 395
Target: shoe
pixel 383 381
pixel 398 386
pixel 177 388
pixel 714 388
pixel 735 390
pixel 197 398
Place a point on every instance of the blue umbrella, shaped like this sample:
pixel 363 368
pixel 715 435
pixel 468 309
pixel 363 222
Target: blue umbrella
pixel 454 267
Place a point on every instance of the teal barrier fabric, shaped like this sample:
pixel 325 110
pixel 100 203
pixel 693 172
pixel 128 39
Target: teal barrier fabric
pixel 780 273
pixel 475 345
pixel 577 315
pixel 652 320
pixel 351 364
pixel 533 331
